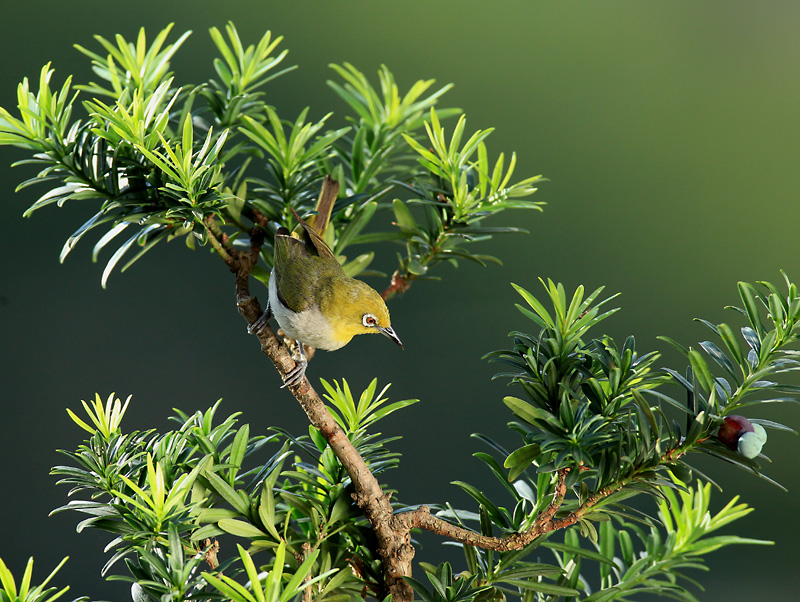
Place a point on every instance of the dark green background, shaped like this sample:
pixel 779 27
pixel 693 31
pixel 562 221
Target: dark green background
pixel 669 133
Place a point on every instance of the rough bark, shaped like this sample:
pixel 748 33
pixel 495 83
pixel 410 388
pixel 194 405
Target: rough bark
pixel 394 547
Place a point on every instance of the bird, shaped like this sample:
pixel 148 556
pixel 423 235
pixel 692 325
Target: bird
pixel 312 299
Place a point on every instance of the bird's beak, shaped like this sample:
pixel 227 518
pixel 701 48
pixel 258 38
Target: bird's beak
pixel 389 332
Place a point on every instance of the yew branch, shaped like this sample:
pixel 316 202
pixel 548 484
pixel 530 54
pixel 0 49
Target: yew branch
pixel 544 523
pixel 394 546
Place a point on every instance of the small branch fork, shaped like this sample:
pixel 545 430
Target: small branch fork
pixel 392 530
pixel 398 284
pixel 544 523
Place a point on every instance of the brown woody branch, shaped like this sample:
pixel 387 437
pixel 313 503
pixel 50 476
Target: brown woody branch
pixel 394 545
pixel 544 523
pixel 398 284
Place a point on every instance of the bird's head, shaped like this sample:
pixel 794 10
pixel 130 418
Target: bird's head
pixel 353 307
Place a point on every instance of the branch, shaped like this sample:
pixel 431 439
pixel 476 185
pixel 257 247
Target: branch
pixel 394 545
pixel 219 242
pixel 543 524
pixel 398 284
pixel 308 593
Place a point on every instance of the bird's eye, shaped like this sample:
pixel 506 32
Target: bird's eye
pixel 369 321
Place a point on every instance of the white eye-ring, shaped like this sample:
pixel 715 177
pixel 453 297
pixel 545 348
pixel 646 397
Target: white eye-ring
pixel 369 321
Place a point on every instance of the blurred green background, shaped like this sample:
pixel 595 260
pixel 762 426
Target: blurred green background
pixel 668 131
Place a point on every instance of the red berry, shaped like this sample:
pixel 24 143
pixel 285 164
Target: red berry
pixel 732 429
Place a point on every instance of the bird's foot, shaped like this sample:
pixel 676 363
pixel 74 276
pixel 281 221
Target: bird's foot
pixel 259 324
pixel 298 373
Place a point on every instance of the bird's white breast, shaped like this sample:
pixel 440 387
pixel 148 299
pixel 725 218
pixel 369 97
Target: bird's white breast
pixel 308 326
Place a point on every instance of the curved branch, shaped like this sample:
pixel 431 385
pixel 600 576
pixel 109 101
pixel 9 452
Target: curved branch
pixel 544 523
pixel 394 545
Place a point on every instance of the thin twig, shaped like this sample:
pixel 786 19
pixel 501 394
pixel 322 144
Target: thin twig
pixel 398 284
pixel 220 243
pixel 308 592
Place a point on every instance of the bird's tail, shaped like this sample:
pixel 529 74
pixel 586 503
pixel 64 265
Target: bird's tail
pixel 312 230
pixel 324 208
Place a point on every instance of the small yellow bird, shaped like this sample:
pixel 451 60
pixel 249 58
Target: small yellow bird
pixel 311 297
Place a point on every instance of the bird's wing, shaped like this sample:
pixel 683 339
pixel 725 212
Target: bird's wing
pixel 315 240
pixel 298 286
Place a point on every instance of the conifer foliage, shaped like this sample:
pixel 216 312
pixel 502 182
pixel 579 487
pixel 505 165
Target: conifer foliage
pixel 214 510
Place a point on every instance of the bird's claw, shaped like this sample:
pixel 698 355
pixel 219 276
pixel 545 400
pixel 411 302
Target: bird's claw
pixel 296 374
pixel 259 324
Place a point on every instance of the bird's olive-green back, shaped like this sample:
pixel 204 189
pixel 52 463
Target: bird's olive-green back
pixel 304 272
